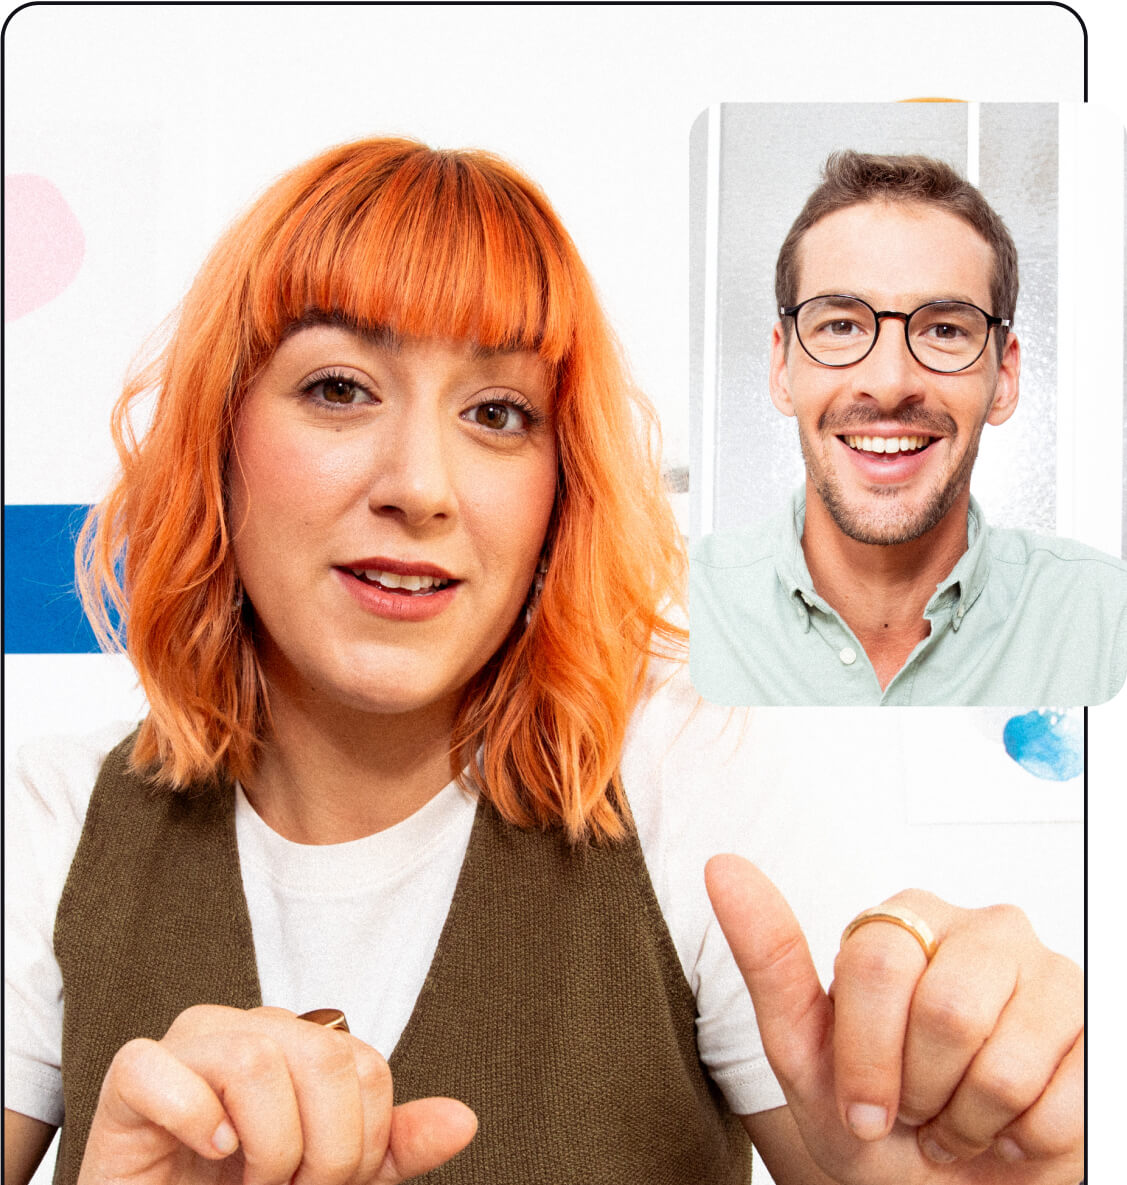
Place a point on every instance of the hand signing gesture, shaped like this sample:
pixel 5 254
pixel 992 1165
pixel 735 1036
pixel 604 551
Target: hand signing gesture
pixel 259 1098
pixel 963 1069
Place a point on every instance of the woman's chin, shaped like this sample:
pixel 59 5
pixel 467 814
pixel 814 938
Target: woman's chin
pixel 392 698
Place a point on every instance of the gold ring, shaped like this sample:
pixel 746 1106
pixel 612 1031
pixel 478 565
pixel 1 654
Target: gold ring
pixel 900 916
pixel 327 1018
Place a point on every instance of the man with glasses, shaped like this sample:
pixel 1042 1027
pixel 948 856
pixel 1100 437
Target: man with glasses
pixel 883 583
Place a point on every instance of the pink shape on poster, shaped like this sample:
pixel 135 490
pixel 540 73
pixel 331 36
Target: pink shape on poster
pixel 44 244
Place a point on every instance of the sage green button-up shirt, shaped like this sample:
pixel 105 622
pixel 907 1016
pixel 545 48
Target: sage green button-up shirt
pixel 1022 619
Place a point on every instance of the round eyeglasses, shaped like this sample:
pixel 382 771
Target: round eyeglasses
pixel 945 336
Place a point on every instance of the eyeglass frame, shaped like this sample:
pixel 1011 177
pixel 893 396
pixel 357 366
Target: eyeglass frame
pixel 992 322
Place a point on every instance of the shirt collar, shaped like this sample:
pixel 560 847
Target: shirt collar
pixel 790 562
pixel 966 581
pixel 968 577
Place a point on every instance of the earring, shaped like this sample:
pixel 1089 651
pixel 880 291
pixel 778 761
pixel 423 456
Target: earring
pixel 534 592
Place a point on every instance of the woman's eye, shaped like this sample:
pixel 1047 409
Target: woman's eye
pixel 339 391
pixel 500 417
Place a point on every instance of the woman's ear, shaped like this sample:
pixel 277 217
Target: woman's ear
pixel 779 383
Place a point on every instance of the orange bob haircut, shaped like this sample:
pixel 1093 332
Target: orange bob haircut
pixel 387 233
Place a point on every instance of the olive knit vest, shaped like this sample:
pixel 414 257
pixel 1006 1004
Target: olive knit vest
pixel 555 1005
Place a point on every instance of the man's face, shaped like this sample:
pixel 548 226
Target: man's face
pixel 894 256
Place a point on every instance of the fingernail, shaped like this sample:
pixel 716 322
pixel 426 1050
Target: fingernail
pixel 224 1139
pixel 934 1152
pixel 1008 1149
pixel 867 1120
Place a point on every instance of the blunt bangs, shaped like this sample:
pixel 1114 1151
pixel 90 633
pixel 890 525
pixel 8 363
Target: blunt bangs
pixel 420 243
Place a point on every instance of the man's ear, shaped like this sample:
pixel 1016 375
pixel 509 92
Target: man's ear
pixel 1006 389
pixel 779 383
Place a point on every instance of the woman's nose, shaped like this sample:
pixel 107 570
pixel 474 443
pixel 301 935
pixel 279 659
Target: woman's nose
pixel 412 471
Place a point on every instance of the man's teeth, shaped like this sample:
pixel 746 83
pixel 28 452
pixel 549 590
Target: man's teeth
pixel 887 444
pixel 412 584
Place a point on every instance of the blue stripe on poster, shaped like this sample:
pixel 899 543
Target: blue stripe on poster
pixel 42 613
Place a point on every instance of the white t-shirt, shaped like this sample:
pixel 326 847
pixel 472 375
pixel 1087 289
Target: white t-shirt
pixel 355 925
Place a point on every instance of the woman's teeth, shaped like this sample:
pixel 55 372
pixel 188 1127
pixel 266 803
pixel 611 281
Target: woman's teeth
pixel 887 444
pixel 393 580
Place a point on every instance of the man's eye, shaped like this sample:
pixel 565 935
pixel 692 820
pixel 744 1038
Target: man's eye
pixel 947 332
pixel 842 327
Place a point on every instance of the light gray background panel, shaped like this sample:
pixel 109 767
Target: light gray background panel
pixel 770 159
pixel 1018 168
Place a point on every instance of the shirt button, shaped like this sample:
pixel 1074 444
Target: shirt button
pixel 847 655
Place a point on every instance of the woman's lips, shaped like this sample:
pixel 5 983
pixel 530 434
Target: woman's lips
pixel 412 583
pixel 398 591
pixel 381 563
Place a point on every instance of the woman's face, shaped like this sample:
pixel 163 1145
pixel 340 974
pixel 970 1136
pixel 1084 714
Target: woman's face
pixel 388 504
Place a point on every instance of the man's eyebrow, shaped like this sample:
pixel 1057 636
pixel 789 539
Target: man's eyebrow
pixel 907 302
pixel 837 299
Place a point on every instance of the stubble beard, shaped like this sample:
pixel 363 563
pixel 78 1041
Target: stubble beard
pixel 897 523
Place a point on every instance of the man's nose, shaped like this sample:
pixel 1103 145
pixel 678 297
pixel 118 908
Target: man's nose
pixel 412 470
pixel 889 373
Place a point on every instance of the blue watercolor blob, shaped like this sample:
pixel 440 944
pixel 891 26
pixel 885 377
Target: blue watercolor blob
pixel 1046 743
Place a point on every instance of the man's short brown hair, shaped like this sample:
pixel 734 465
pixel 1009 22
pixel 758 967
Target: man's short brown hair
pixel 849 178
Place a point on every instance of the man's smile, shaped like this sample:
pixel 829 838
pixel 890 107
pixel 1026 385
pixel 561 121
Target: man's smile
pixel 888 444
pixel 887 457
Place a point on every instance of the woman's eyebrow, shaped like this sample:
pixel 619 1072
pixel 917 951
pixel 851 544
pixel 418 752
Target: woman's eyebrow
pixel 377 335
pixel 382 335
pixel 481 353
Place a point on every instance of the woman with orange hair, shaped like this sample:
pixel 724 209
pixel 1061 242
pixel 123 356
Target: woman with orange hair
pixel 396 570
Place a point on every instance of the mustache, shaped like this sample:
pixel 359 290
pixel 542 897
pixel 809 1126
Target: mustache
pixel 910 416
